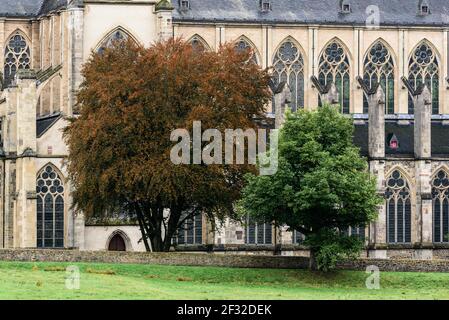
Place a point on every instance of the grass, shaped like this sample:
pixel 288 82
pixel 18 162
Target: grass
pixel 119 281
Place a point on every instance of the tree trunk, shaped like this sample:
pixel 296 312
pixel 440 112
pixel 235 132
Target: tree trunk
pixel 156 243
pixel 312 260
pixel 144 235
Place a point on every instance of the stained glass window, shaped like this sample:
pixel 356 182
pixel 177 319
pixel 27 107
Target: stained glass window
pixel 258 233
pixel 334 68
pixel 17 57
pixel 440 197
pixel 423 68
pixel 398 205
pixel 50 209
pixel 242 45
pixel 379 68
pixel 117 35
pixel 288 66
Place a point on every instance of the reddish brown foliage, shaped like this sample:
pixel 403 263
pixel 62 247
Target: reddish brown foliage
pixel 131 100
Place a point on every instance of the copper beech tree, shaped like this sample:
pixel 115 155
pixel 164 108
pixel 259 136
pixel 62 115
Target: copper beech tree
pixel 131 99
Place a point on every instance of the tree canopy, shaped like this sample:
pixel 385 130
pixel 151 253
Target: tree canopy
pixel 322 187
pixel 131 99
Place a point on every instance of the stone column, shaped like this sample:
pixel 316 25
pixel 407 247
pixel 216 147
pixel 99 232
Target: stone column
pixel 8 112
pixel 376 150
pixel 282 96
pixel 164 26
pixel 422 136
pixel 423 116
pixel 25 164
pixel 376 129
pixel 330 97
pixel 76 49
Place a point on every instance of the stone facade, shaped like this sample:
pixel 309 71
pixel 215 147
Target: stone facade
pixel 320 54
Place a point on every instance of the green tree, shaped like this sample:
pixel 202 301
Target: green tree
pixel 131 100
pixel 322 186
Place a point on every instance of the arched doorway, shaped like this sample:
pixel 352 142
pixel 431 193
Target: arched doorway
pixel 117 243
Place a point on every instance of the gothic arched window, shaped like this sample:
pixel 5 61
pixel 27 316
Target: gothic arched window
pixel 440 197
pixel 398 206
pixel 379 68
pixel 198 44
pixel 334 68
pixel 423 68
pixel 242 44
pixel 50 209
pixel 117 35
pixel 17 57
pixel 289 67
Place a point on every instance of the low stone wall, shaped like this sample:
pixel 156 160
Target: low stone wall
pixel 173 258
pixel 214 259
pixel 398 265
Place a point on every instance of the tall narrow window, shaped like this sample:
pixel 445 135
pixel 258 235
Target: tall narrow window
pixel 117 35
pixel 440 197
pixel 334 68
pixel 289 67
pixel 258 233
pixel 17 57
pixel 398 205
pixel 242 45
pixel 423 68
pixel 191 232
pixel 379 68
pixel 50 209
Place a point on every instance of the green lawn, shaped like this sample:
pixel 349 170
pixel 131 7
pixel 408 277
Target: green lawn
pixel 120 281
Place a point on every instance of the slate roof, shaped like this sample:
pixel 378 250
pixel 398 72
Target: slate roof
pixel 20 8
pixel 392 12
pixel 51 5
pixel 29 8
pixel 405 136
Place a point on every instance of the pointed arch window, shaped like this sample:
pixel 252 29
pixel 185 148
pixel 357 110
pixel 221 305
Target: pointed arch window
pixel 334 68
pixel 379 68
pixel 289 67
pixel 440 201
pixel 50 209
pixel 242 45
pixel 423 68
pixel 117 35
pixel 17 57
pixel 198 44
pixel 398 206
